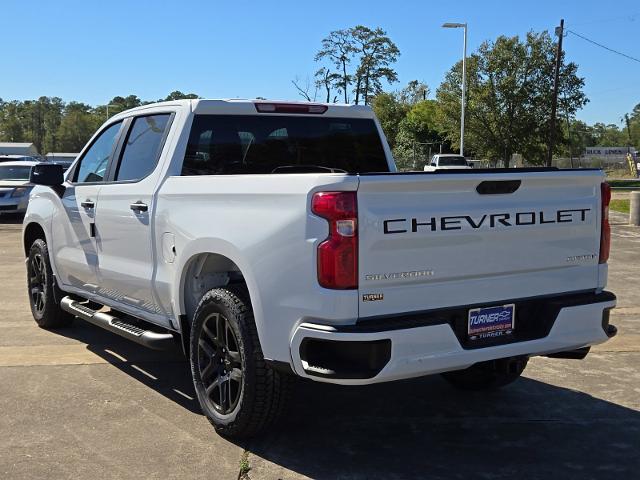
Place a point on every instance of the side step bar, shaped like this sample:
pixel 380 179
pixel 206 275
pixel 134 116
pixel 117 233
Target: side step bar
pixel 153 340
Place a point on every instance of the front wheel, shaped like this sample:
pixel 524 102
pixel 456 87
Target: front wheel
pixel 488 375
pixel 238 392
pixel 43 291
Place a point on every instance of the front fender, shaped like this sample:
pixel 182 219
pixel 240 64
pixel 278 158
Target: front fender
pixel 40 211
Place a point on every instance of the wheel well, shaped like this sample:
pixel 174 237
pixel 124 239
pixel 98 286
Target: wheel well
pixel 32 232
pixel 204 272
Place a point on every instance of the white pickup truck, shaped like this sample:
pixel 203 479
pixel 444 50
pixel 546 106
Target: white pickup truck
pixel 447 161
pixel 277 239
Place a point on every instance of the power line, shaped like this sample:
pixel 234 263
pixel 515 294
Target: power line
pixel 630 17
pixel 603 46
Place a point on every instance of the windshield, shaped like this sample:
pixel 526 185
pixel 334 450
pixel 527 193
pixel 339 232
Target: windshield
pixel 245 144
pixel 452 162
pixel 20 172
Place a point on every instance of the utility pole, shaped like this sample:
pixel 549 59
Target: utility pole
pixel 626 118
pixel 554 104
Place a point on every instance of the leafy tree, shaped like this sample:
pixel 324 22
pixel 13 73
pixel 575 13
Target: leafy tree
pixel 178 95
pixel 77 126
pixel 418 131
pixel 390 113
pixel 376 53
pixel 578 137
pixel 54 108
pixel 413 93
pixel 338 47
pixel 510 85
pixel 12 125
pixel 327 80
pixel 53 125
pixel 372 52
pixel 392 108
pixel 608 135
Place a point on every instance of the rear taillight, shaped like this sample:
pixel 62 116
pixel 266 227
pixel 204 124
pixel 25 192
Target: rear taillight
pixel 338 254
pixel 304 108
pixel 605 228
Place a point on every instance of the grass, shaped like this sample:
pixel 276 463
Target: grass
pixel 620 205
pixel 244 466
pixel 624 183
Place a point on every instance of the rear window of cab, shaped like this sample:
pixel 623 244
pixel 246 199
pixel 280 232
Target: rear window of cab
pixel 259 144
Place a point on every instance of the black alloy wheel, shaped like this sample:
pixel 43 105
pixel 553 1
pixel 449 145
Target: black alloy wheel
pixel 37 277
pixel 220 364
pixel 44 294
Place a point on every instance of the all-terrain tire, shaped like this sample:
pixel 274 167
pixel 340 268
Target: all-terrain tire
pixel 488 375
pixel 255 395
pixel 44 294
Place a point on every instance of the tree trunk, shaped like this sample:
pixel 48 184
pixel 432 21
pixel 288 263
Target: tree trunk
pixel 366 88
pixel 506 159
pixel 344 78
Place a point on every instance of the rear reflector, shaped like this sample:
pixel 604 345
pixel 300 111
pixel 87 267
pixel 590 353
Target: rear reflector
pixel 300 108
pixel 338 253
pixel 605 227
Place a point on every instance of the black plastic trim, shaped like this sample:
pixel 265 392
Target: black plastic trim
pixel 280 366
pixel 425 318
pixel 185 333
pixel 577 354
pixel 471 171
pixel 534 318
pixel 498 187
pixel 344 358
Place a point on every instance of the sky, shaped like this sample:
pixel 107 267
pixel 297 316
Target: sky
pixel 91 51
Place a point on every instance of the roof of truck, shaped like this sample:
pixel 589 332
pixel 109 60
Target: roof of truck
pixel 236 106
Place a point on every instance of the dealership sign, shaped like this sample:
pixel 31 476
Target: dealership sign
pixel 605 151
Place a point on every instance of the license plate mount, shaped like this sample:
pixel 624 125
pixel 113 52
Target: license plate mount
pixel 491 322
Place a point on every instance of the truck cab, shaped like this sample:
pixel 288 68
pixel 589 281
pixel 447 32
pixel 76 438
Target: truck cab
pixel 447 161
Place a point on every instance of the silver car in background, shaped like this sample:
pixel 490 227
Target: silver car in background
pixel 15 186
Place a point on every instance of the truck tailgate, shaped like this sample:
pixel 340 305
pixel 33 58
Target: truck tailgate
pixel 430 241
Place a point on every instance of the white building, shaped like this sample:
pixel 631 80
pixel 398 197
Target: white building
pixel 13 148
pixel 57 156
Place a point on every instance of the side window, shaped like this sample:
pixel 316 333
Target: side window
pixel 93 164
pixel 142 147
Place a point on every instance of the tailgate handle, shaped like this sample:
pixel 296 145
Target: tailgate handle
pixel 498 187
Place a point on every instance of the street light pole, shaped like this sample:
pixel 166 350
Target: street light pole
pixel 109 105
pixel 464 78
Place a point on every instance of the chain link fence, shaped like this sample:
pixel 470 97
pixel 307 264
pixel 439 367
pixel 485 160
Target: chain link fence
pixel 614 166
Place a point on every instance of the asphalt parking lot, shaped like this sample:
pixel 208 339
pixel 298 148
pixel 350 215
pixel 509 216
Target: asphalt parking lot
pixel 83 403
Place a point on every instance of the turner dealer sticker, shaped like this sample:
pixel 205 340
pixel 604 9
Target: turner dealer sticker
pixel 372 297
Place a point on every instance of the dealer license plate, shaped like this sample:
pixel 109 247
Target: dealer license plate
pixel 490 322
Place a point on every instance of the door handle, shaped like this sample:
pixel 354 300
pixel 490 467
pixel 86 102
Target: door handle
pixel 139 207
pixel 87 204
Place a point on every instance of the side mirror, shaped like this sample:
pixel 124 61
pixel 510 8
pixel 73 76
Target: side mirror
pixel 48 174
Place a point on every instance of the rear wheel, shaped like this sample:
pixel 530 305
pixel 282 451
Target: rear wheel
pixel 238 392
pixel 488 375
pixel 43 291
